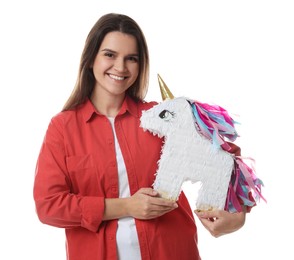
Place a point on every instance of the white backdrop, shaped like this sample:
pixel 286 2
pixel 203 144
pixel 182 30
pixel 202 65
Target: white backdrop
pixel 238 54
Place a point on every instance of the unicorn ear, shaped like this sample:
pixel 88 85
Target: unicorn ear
pixel 165 92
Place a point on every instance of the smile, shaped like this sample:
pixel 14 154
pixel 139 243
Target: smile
pixel 116 77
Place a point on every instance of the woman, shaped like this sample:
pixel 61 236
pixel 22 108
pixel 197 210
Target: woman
pixel 96 166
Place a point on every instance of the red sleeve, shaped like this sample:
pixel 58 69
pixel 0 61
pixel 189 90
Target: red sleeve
pixel 55 204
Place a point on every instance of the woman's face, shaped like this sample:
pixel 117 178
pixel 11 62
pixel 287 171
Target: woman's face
pixel 116 66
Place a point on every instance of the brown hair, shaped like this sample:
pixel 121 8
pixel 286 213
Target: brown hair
pixel 86 81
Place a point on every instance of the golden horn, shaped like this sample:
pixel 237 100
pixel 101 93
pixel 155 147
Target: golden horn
pixel 165 92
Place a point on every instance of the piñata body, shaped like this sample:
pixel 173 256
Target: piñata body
pixel 190 153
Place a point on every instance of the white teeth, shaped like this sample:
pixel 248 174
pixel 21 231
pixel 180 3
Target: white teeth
pixel 116 77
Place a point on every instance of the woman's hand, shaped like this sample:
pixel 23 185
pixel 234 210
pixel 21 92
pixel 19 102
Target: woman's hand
pixel 146 204
pixel 220 222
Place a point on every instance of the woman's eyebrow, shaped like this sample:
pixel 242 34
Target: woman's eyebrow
pixel 131 54
pixel 106 49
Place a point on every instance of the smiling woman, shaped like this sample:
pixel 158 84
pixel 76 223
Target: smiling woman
pixel 97 137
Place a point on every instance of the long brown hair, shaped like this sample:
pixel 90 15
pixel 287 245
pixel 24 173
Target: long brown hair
pixel 86 81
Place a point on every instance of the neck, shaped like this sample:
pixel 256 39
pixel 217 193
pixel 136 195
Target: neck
pixel 108 105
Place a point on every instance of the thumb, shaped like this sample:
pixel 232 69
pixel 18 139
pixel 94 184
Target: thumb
pixel 205 214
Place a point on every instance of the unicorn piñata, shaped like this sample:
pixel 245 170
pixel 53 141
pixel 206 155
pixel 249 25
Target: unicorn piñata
pixel 195 149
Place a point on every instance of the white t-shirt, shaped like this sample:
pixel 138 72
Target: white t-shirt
pixel 126 236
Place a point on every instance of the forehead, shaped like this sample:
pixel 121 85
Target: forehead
pixel 120 42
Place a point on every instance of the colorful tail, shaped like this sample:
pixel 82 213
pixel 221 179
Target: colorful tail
pixel 244 187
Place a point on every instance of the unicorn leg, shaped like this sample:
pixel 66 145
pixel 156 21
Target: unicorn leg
pixel 170 186
pixel 212 196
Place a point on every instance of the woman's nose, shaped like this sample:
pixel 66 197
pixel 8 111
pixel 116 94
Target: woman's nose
pixel 120 65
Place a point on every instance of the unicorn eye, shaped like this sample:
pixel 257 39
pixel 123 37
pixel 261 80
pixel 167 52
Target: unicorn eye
pixel 166 115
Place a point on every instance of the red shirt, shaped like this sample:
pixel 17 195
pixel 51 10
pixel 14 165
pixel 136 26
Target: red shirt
pixel 76 170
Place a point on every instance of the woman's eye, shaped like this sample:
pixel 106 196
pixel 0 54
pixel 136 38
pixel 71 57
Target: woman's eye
pixel 166 115
pixel 133 59
pixel 108 54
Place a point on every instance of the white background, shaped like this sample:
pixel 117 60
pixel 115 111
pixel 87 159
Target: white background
pixel 238 54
